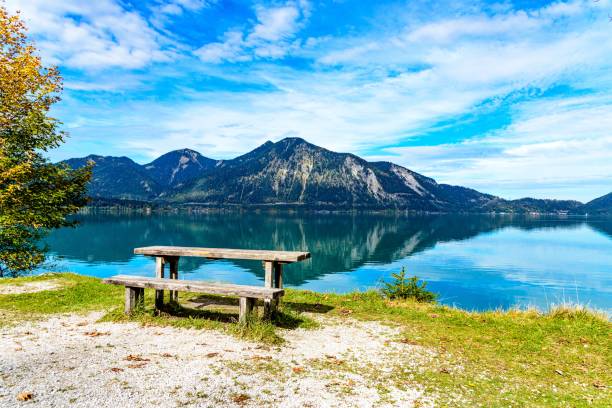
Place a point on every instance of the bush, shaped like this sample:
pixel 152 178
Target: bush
pixel 403 287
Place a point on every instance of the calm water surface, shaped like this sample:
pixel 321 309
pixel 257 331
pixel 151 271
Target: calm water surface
pixel 473 262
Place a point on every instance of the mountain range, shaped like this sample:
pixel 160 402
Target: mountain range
pixel 295 173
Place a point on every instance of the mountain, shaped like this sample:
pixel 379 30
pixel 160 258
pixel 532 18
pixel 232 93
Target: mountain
pixel 122 178
pixel 118 177
pixel 601 205
pixel 294 173
pixel 178 167
pixel 531 205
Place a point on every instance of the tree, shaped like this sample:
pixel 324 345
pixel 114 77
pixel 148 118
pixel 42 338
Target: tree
pixel 403 287
pixel 35 195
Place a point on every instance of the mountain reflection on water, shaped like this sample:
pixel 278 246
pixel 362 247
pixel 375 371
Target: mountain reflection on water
pixel 473 261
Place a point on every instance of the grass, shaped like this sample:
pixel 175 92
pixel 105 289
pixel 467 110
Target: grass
pixel 78 294
pixel 512 358
pixel 81 294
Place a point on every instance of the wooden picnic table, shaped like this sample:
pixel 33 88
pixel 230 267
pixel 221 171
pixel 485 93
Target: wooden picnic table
pixel 273 264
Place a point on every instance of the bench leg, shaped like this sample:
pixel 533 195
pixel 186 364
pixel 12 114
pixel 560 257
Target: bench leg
pixel 159 273
pixel 133 297
pixel 246 308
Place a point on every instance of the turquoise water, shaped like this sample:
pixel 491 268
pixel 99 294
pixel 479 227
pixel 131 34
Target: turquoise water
pixel 473 262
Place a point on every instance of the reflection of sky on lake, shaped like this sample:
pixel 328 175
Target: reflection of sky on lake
pixel 497 265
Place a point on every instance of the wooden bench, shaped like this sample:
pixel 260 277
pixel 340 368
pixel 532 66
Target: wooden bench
pixel 273 265
pixel 135 285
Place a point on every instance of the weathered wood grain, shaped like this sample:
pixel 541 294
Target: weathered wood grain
pixel 269 305
pixel 173 261
pixel 195 286
pixel 246 308
pixel 278 275
pixel 159 274
pixel 133 298
pixel 224 253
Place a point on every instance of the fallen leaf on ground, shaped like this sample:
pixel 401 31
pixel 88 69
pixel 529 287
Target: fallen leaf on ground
pixel 116 369
pixel 334 359
pixel 298 370
pixel 82 324
pixel 96 333
pixel 408 341
pixel 24 396
pixel 133 357
pixel 445 371
pixel 599 385
pixel 209 355
pixel 434 315
pixel 137 365
pixel 240 398
pixel 346 311
pixel 167 355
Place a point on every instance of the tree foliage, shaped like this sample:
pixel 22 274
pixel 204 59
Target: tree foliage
pixel 35 195
pixel 403 287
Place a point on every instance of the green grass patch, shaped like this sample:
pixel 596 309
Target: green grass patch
pixel 512 358
pixel 82 294
pixel 78 294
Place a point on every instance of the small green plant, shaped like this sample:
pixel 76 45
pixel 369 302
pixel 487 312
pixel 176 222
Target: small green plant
pixel 403 287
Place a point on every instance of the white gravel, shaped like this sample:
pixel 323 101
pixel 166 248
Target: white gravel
pixel 74 361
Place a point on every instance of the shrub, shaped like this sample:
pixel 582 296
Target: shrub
pixel 403 287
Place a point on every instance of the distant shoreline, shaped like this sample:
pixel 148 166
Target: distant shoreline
pixel 134 206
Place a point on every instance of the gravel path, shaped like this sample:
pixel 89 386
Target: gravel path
pixel 74 361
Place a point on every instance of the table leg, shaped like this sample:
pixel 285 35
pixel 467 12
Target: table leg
pixel 173 275
pixel 278 275
pixel 268 283
pixel 273 279
pixel 159 273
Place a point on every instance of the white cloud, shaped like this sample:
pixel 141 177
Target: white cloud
pixel 230 49
pixel 271 37
pixel 275 23
pixel 165 11
pixel 563 145
pixel 90 35
pixel 446 31
pixel 378 88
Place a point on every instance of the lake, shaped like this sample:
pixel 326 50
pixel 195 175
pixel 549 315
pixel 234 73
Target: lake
pixel 473 262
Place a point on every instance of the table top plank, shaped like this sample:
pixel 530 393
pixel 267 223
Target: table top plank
pixel 224 253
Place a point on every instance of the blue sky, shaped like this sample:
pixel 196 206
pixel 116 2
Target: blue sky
pixel 511 98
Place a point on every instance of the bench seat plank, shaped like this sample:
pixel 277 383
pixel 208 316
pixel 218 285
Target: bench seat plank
pixel 224 253
pixel 196 286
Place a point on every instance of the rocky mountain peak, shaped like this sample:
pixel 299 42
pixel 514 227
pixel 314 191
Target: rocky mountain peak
pixel 178 167
pixel 297 173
